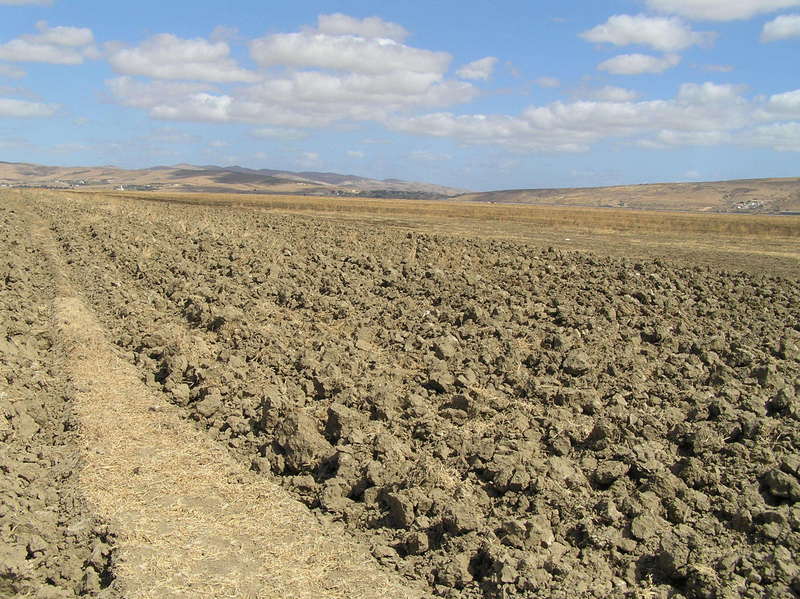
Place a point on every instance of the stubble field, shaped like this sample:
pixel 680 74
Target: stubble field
pixel 487 406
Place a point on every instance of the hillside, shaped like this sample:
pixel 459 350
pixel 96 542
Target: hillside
pixel 753 196
pixel 214 179
pixel 750 196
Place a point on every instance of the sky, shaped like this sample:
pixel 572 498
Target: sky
pixel 476 95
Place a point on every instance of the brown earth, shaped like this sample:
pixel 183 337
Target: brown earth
pixel 494 418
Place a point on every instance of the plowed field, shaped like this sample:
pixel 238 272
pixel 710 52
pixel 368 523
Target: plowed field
pixel 489 418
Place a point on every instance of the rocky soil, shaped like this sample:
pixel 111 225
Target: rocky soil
pixel 51 547
pixel 496 419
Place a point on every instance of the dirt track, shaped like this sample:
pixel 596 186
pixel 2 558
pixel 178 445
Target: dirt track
pixel 492 418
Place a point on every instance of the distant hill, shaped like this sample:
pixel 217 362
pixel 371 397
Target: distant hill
pixel 747 196
pixel 751 196
pixel 215 179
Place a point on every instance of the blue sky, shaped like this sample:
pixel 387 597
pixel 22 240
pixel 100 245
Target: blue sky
pixel 478 95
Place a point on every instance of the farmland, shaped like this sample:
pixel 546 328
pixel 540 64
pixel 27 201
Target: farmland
pixel 487 400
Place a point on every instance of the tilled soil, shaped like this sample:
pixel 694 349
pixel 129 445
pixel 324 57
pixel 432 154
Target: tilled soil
pixel 51 546
pixel 496 419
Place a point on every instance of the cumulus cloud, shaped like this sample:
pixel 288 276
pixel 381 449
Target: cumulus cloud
pixel 781 28
pixel 697 114
pixel 478 69
pixel 149 95
pixel 666 34
pixel 345 53
pixel 781 106
pixel 784 137
pixel 371 27
pixel 56 45
pixel 638 64
pixel 166 56
pixel 10 107
pixel 299 100
pixel 719 10
pixel 547 82
pixel 670 138
pixel 326 78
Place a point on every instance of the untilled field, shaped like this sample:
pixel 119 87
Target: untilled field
pixel 494 419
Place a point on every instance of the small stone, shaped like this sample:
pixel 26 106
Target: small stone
pixel 441 380
pixel 576 363
pixel 401 510
pixel 456 573
pixel 181 393
pixel 609 471
pixel 445 347
pixel 644 527
pixel 208 406
pixel 771 530
pixel 417 543
pixel 782 485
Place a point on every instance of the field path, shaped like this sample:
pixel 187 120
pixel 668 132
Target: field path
pixel 190 521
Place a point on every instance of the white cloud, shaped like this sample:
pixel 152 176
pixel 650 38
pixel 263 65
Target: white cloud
pixel 670 138
pixel 6 70
pixel 478 69
pixel 26 2
pixel 611 93
pixel 696 115
pixel 547 82
pixel 55 45
pixel 345 53
pixel 719 10
pixel 298 100
pixel 138 94
pixel 166 56
pixel 781 106
pixel 22 109
pixel 355 153
pixel 20 50
pixel 638 64
pixel 666 34
pixel 784 137
pixel 371 27
pixel 61 36
pixel 322 77
pixel 781 28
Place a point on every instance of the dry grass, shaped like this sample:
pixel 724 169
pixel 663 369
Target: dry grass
pixel 597 220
